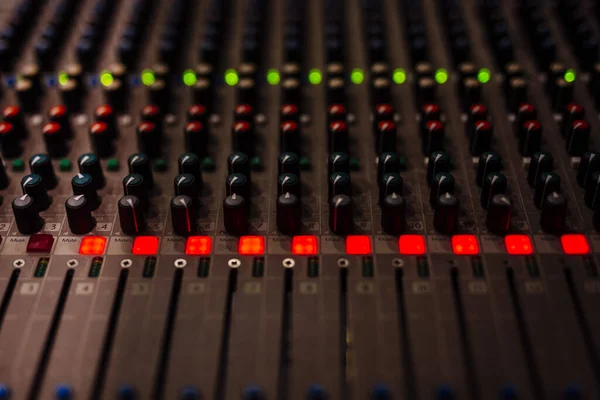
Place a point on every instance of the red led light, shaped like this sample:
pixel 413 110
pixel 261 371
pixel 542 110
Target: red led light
pixel 412 245
pixel 574 244
pixel 518 245
pixel 198 245
pixel 465 244
pixel 303 245
pixel 358 244
pixel 92 245
pixel 145 245
pixel 251 245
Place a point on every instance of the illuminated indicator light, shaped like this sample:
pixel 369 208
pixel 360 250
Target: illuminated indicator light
pixel 252 245
pixel 399 76
pixel 189 77
pixel 441 76
pixel 518 245
pixel 357 76
pixel 106 79
pixel 314 76
pixel 305 245
pixel 148 77
pixel 412 245
pixel 465 245
pixel 63 78
pixel 145 245
pixel 92 245
pixel 273 76
pixel 358 244
pixel 574 244
pixel 569 75
pixel 231 77
pixel 198 245
pixel 484 75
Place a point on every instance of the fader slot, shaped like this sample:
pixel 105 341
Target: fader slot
pixel 7 287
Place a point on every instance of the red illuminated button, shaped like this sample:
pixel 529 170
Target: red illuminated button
pixel 198 245
pixel 40 243
pixel 465 244
pixel 145 245
pixel 575 244
pixel 518 245
pixel 91 245
pixel 303 245
pixel 358 244
pixel 412 245
pixel 251 245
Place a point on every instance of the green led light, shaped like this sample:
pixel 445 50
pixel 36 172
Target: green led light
pixel 231 77
pixel 148 77
pixel 106 79
pixel 63 78
pixel 484 75
pixel 273 76
pixel 189 77
pixel 357 76
pixel 441 76
pixel 570 75
pixel 399 76
pixel 314 76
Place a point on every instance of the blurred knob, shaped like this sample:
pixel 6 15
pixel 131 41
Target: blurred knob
pixel 289 213
pixel 16 118
pixel 481 138
pixel 90 164
pixel 386 137
pixel 183 215
pixel 238 163
pixel 438 162
pixel 33 185
pixel 442 183
pixel 79 215
pixel 135 185
pixel 186 185
pixel 530 138
pixel 235 214
pixel 27 217
pixel 139 163
pixel 589 164
pixel 499 213
pixel 243 137
pixel 196 138
pixel 540 163
pixel 445 217
pixel 554 213
pixel 149 139
pixel 100 137
pixel 433 137
pixel 494 183
pixel 131 215
pixel 238 184
pixel 578 138
pixel 489 162
pixel 82 184
pixel 9 140
pixel 547 183
pixel 393 214
pixel 55 140
pixel 288 163
pixel 571 113
pixel 338 137
pixel 340 214
pixel 189 163
pixel 387 163
pixel 391 183
pixel 289 137
pixel 339 183
pixel 60 115
pixel 288 183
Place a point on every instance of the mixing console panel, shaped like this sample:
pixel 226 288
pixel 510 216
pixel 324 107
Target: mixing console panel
pixel 300 199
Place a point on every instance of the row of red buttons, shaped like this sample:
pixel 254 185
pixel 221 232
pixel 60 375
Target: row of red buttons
pixel 355 244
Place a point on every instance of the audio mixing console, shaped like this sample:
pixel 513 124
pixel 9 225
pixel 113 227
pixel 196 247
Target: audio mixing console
pixel 300 199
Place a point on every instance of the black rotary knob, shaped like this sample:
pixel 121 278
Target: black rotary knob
pixel 60 114
pixel 393 214
pixel 489 162
pixel 34 186
pixel 289 213
pixel 547 183
pixel 525 112
pixel 197 113
pixel 131 215
pixel 82 184
pixel 578 138
pixel 149 139
pixel 530 138
pixel 477 112
pixel 4 180
pixel 499 214
pixel 288 163
pixel 382 112
pixel 139 163
pixel 571 113
pixel 433 137
pixel 41 165
pixel 152 113
pixel 288 183
pixel 239 163
pixel 340 214
pixel 336 112
pixel 242 137
pixel 135 185
pixel 338 162
pixel 101 139
pixel 183 215
pixel 289 137
pixel 243 112
pixel 79 215
pixel 189 163
pixel 186 185
pixel 385 137
pixel 90 164
pixel 445 218
pixel 16 117
pixel 235 214
pixel 390 183
pixel 196 138
pixel 338 137
pixel 494 183
pixel 438 162
pixel 590 163
pixel 107 115
pixel 592 191
pixel 289 112
pixel 429 112
pixel 339 183
pixel 442 183
pixel 238 184
pixel 554 213
pixel 481 139
pixel 387 163
pixel 540 163
pixel 27 217
pixel 55 140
